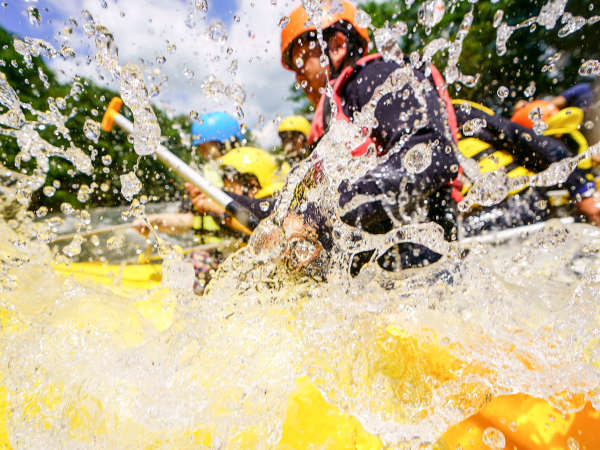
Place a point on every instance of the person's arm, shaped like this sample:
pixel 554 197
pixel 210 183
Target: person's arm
pixel 580 95
pixel 559 101
pixel 205 205
pixel 533 151
pixel 165 223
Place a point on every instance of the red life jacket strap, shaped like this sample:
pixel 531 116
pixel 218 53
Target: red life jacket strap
pixel 442 89
pixel 317 127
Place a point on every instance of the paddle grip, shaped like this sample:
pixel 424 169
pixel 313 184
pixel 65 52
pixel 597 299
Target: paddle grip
pixel 242 214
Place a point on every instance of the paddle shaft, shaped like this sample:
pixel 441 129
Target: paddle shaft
pixel 242 214
pixel 499 236
pixel 67 237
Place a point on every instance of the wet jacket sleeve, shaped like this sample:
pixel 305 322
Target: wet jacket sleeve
pixel 532 151
pixel 580 95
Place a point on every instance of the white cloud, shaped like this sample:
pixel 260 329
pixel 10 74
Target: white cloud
pixel 141 29
pixel 267 137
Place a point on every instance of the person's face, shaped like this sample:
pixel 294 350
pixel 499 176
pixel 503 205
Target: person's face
pixel 309 73
pixel 293 145
pixel 209 150
pixel 235 184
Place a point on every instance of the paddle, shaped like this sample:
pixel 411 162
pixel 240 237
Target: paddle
pixel 504 235
pixel 245 217
pixel 69 236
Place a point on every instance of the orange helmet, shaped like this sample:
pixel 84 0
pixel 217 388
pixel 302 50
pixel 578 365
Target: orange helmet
pixel 299 24
pixel 521 116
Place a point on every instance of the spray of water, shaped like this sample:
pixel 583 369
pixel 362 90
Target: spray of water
pixel 408 355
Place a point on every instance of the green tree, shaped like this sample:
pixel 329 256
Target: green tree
pixel 534 54
pixel 112 154
pixel 530 51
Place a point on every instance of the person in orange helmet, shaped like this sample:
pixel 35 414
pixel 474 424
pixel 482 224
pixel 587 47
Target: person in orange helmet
pixel 357 76
pixel 421 116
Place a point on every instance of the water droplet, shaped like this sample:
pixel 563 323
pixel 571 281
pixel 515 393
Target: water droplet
pixel 212 87
pixel 194 115
pixel 498 18
pixel 572 444
pixel 106 160
pixel 34 16
pixel 431 13
pixel 494 438
pixel 324 60
pixel 362 19
pixel 146 135
pixel 283 21
pixel 83 194
pixel 66 208
pixel 200 5
pixel 171 48
pixel 160 60
pixel 503 92
pixel 91 130
pixel 417 158
pixel 299 62
pixel 236 93
pixel 216 31
pixel 473 126
pixel 530 90
pixel 41 211
pixel 130 185
pixel 590 68
pixel 49 191
pixel 188 73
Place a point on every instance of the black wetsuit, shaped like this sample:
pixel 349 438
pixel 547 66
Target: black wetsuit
pixel 396 114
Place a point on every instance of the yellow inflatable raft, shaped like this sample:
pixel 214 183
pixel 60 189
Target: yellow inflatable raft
pixel 517 421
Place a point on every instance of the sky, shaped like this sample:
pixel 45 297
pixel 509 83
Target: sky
pixel 144 31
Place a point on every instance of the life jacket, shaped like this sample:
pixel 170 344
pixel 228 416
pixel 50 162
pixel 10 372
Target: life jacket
pixel 566 122
pixel 317 128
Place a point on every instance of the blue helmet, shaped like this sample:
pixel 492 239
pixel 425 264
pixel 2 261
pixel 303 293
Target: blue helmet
pixel 215 126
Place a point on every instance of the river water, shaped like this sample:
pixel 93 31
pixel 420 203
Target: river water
pixel 85 365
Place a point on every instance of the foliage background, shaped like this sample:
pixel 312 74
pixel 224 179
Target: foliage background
pixel 91 102
pixel 529 50
pixel 534 54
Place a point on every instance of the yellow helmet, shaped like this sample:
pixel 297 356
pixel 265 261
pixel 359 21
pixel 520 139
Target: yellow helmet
pixel 295 123
pixel 269 190
pixel 254 161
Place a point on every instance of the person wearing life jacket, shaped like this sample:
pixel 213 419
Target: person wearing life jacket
pixel 536 152
pixel 248 173
pixel 583 96
pixel 213 134
pixel 354 77
pixel 497 144
pixel 293 132
pixel 245 172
